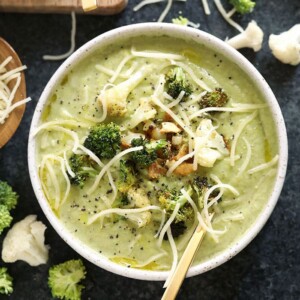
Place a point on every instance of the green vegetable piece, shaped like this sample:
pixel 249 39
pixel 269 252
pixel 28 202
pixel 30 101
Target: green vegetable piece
pixel 104 140
pixel 6 282
pixel 83 167
pixel 176 82
pixel 8 197
pixel 168 201
pixel 5 218
pixel 243 6
pixel 126 176
pixel 216 98
pixel 64 279
pixel 146 156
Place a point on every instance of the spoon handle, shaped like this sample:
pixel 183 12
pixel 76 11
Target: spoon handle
pixel 184 264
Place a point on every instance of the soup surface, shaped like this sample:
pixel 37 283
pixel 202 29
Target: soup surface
pixel 144 140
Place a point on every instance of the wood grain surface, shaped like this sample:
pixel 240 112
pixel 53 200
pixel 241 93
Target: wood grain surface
pixel 105 7
pixel 12 122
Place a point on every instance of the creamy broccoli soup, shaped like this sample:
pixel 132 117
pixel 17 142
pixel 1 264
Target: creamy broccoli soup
pixel 145 140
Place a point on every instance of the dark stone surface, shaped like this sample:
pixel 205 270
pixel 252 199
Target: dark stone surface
pixel 269 267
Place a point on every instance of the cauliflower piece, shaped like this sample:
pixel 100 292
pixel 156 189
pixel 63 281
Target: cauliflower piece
pixel 115 97
pixel 286 46
pixel 139 199
pixel 25 241
pixel 167 127
pixel 251 37
pixel 209 144
pixel 143 113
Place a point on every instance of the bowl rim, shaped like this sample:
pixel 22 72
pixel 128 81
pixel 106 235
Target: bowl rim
pixel 158 29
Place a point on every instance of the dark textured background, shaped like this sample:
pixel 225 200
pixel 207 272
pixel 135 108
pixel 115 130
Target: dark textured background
pixel 269 268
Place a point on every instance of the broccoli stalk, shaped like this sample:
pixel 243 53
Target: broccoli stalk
pixel 176 82
pixel 83 168
pixel 146 156
pixel 8 201
pixel 64 280
pixel 6 282
pixel 243 6
pixel 168 200
pixel 104 140
pixel 126 176
pixel 216 98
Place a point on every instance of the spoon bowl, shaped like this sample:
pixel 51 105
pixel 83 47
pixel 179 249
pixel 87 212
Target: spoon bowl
pixel 12 122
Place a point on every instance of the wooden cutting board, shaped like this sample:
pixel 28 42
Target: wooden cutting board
pixel 104 7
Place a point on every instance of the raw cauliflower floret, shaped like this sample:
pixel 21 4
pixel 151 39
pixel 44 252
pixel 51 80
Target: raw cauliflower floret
pixel 26 241
pixel 209 144
pixel 286 46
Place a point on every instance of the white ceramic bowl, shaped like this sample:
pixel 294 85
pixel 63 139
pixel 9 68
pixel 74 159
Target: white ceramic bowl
pixel 155 29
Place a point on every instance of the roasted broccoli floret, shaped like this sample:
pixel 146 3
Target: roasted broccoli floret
pixel 6 282
pixel 83 168
pixel 168 200
pixel 5 218
pixel 121 201
pixel 126 176
pixel 243 6
pixel 146 156
pixel 176 82
pixel 64 279
pixel 216 98
pixel 8 197
pixel 104 140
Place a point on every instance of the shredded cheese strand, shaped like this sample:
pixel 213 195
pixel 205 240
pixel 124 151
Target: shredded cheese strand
pixel 225 16
pixel 175 257
pixel 237 134
pixel 72 48
pixel 109 164
pixel 179 162
pixel 264 166
pixel 247 158
pixel 165 11
pixel 158 55
pixel 122 212
pixel 206 7
pixel 120 67
pixel 168 224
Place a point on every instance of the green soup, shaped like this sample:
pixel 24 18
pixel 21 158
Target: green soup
pixel 230 150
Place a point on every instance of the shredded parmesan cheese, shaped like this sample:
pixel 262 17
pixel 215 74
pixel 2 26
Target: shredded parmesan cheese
pixel 72 48
pixel 264 166
pixel 158 55
pixel 6 94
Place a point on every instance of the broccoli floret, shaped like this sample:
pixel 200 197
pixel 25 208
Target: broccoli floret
pixel 146 156
pixel 121 201
pixel 243 6
pixel 8 197
pixel 169 200
pixel 216 98
pixel 126 177
pixel 5 218
pixel 83 167
pixel 104 140
pixel 176 82
pixel 6 282
pixel 64 279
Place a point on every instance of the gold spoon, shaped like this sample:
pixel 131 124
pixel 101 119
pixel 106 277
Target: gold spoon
pixel 184 263
pixel 12 122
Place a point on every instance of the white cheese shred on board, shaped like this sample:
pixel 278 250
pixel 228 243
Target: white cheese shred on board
pixel 72 48
pixel 6 94
pixel 165 11
pixel 175 257
pixel 264 166
pixel 109 164
pixel 226 17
